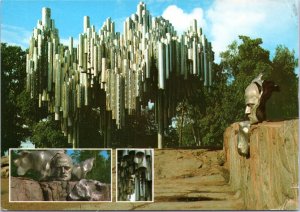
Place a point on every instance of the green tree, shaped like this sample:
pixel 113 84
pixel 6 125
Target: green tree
pixel 284 104
pixel 213 123
pixel 101 170
pixel 188 126
pixel 139 131
pixel 213 109
pixel 47 134
pixel 29 111
pixel 242 63
pixel 20 113
pixel 200 117
pixel 13 73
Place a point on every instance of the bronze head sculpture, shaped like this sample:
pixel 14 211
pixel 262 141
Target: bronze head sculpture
pixel 256 96
pixel 61 166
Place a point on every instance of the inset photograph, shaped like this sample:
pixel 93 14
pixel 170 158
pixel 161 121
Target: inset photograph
pixel 60 175
pixel 135 175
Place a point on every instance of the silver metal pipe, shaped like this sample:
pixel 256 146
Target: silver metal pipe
pixel 161 65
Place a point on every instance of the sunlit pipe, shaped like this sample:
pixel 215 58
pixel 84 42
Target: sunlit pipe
pixel 139 155
pixel 161 65
pixel 103 71
pixel 86 23
pixel 46 14
pixel 205 71
pixel 50 66
pixel 194 57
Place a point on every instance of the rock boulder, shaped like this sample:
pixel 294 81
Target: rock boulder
pixel 268 179
pixel 23 189
pixel 5 166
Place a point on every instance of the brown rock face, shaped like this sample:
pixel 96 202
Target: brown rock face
pixel 90 190
pixel 5 171
pixel 268 179
pixel 25 190
pixel 4 161
pixel 4 167
pixel 29 190
pixel 57 190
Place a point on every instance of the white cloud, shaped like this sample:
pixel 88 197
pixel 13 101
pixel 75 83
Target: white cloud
pixel 15 35
pixel 273 21
pixel 182 20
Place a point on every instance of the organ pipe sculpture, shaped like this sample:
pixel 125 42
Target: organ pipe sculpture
pixel 134 175
pixel 116 74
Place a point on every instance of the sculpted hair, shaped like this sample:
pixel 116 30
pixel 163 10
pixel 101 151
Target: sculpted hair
pixel 59 156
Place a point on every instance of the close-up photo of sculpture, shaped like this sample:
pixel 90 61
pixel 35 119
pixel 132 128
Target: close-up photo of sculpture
pixel 135 175
pixel 150 105
pixel 60 175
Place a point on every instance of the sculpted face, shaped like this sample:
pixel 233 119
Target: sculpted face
pixel 62 167
pixel 243 138
pixel 252 100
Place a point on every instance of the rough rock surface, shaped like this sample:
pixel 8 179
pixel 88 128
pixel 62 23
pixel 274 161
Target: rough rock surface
pixel 22 189
pixel 57 190
pixel 90 190
pixel 268 179
pixel 4 166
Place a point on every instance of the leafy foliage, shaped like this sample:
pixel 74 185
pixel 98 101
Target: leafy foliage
pixel 284 104
pixel 13 73
pixel 28 108
pixel 20 114
pixel 214 109
pixel 139 131
pixel 47 134
pixel 101 170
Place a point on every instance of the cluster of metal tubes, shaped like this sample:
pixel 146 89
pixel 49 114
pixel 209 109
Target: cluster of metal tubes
pixel 116 74
pixel 134 175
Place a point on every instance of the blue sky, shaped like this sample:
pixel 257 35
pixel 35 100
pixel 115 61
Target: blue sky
pixel 275 21
pixel 103 153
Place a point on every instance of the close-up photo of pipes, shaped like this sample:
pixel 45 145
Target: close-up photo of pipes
pixel 134 178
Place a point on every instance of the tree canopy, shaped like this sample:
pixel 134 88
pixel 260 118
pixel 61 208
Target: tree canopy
pixel 224 102
pixel 13 76
pixel 20 115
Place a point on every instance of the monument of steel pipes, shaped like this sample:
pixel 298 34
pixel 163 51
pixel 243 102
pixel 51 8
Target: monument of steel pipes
pixel 116 74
